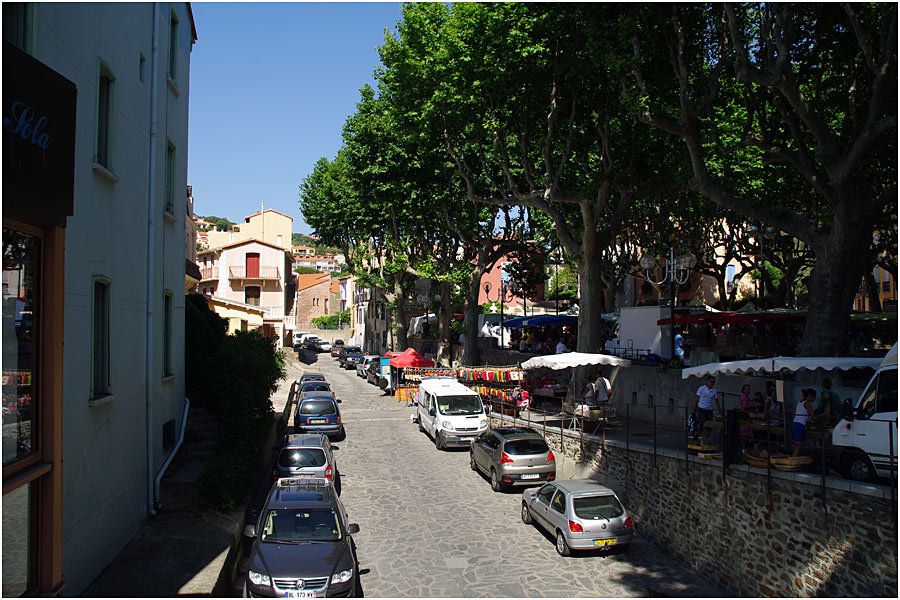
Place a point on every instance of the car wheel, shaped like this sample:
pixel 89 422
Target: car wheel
pixel 857 467
pixel 337 483
pixel 526 514
pixel 342 435
pixel 472 461
pixel 438 443
pixel 422 429
pixel 562 548
pixel 495 483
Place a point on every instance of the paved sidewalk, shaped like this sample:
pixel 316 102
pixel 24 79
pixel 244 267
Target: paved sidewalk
pixel 180 554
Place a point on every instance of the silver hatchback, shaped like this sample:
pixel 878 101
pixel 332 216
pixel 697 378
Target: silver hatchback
pixel 307 455
pixel 581 514
pixel 512 456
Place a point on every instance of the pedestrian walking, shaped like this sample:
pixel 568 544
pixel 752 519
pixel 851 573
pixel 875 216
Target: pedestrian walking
pixel 803 415
pixel 706 400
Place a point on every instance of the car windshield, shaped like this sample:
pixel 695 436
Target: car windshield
pixel 598 507
pixel 302 457
pixel 352 350
pixel 317 407
pixel 460 405
pixel 528 446
pixel 288 526
pixel 315 386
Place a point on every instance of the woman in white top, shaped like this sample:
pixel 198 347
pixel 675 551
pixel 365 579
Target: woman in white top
pixel 802 415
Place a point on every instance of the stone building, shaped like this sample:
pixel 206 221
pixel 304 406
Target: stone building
pixel 97 209
pixel 313 298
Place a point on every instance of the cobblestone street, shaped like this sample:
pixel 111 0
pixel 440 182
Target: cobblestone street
pixel 432 527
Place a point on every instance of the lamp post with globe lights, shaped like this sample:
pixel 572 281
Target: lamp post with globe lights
pixel 677 271
pixel 505 294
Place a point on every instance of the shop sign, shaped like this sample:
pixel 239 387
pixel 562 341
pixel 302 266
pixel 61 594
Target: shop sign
pixel 38 139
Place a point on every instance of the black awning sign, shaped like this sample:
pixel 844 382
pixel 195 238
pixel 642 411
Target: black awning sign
pixel 38 140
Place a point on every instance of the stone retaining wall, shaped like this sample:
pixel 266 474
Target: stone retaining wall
pixel 727 528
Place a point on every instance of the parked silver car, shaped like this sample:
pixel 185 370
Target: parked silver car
pixel 362 366
pixel 581 514
pixel 512 456
pixel 308 455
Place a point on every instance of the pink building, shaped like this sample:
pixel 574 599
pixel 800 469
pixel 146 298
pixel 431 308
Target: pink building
pixel 255 273
pixel 513 304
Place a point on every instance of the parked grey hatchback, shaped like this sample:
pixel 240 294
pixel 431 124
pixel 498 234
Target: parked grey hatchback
pixel 308 455
pixel 512 456
pixel 581 514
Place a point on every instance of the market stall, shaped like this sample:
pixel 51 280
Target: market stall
pixel 501 386
pixel 405 390
pixel 769 438
pixel 559 362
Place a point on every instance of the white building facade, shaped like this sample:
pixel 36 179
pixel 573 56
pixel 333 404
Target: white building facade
pixel 123 378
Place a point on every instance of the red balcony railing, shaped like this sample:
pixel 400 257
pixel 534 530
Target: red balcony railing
pixel 254 273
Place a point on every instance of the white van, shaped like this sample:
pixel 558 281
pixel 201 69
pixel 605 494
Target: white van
pixel 449 412
pixel 861 442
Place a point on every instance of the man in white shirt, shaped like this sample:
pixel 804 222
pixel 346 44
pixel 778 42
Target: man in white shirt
pixel 561 347
pixel 705 400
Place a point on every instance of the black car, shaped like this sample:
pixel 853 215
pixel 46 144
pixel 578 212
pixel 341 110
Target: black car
pixel 303 545
pixel 348 351
pixel 373 372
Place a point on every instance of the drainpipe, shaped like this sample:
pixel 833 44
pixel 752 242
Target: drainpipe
pixel 168 461
pixel 151 232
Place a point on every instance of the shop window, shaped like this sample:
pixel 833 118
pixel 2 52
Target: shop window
pixel 167 333
pixel 104 116
pixel 21 314
pixel 100 339
pixel 18 542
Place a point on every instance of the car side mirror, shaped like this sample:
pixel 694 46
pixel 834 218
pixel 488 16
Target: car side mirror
pixel 432 412
pixel 339 401
pixel 352 528
pixel 250 531
pixel 335 447
pixel 849 412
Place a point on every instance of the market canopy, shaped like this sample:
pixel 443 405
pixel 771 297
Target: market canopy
pixel 573 359
pixel 777 363
pixel 734 318
pixel 410 358
pixel 540 321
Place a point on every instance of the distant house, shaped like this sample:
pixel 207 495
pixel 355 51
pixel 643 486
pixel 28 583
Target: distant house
pixel 313 297
pixel 323 264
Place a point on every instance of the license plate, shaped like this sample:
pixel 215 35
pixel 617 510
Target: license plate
pixel 609 542
pixel 530 476
pixel 318 421
pixel 298 594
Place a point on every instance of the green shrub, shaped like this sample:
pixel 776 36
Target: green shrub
pixel 232 376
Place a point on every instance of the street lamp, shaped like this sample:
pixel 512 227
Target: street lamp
pixel 677 270
pixel 505 294
pixel 761 233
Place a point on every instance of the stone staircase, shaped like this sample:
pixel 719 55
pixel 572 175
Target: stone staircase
pixel 180 486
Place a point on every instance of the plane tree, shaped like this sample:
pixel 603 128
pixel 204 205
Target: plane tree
pixel 788 113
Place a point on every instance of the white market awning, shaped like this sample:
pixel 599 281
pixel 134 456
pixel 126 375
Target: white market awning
pixel 777 363
pixel 573 359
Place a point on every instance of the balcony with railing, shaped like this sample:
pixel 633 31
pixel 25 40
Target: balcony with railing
pixel 209 273
pixel 260 273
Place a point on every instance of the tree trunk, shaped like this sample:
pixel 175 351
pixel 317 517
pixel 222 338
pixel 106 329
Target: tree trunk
pixel 470 322
pixel 400 324
pixel 444 354
pixel 590 302
pixel 838 269
pixel 872 291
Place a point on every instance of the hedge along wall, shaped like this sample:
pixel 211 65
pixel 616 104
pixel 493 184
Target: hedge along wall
pixel 725 527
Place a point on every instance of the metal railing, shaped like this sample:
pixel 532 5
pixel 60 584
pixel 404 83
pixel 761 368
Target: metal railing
pixel 207 273
pixel 653 427
pixel 254 273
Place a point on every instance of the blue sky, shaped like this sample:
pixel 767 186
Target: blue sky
pixel 271 86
